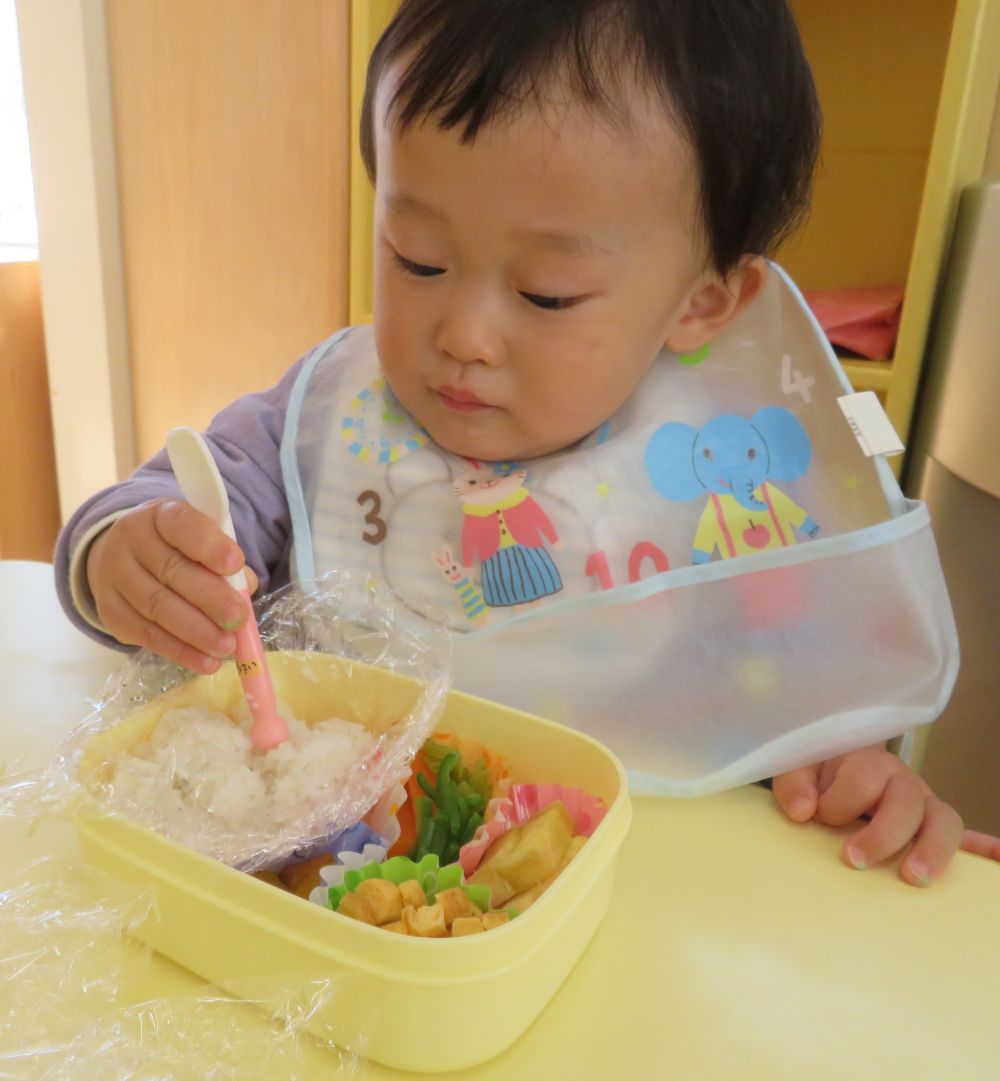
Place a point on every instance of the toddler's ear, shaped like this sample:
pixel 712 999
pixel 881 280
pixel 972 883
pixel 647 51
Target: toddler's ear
pixel 714 303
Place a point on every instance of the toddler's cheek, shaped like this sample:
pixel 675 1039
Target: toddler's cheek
pixel 397 332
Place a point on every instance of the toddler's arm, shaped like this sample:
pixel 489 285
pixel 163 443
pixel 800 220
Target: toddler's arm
pixel 142 517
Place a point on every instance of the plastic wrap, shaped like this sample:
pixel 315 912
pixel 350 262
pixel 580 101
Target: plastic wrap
pixel 339 649
pixel 71 1007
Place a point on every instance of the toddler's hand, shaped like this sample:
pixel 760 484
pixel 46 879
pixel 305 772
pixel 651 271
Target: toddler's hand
pixel 157 576
pixel 901 806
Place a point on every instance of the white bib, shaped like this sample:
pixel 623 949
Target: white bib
pixel 717 582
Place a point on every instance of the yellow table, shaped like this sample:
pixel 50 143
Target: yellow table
pixel 738 946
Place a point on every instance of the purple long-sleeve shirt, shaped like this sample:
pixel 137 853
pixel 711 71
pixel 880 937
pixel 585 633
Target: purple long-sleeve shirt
pixel 245 439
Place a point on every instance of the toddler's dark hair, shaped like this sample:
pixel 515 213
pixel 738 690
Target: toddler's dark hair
pixel 731 73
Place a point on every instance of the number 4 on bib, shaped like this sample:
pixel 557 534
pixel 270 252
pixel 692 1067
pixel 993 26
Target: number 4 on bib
pixel 794 382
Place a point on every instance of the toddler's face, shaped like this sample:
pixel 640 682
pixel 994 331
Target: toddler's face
pixel 525 283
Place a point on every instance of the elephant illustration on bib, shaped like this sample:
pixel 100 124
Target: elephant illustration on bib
pixel 736 461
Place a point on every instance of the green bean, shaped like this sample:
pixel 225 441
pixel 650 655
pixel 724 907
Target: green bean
pixel 447 795
pixel 425 809
pixel 479 779
pixel 439 841
pixel 471 826
pixel 446 765
pixel 463 814
pixel 475 801
pixel 435 753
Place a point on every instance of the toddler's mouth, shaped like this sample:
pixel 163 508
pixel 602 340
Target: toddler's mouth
pixel 461 401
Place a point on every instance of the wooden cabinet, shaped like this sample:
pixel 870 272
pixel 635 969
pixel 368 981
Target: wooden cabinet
pixel 908 89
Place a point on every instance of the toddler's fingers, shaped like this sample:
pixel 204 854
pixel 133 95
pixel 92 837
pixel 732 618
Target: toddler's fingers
pixel 199 587
pixel 899 817
pixel 157 603
pixel 196 536
pixel 797 793
pixel 175 552
pixel 132 629
pixel 859 785
pixel 981 844
pixel 936 843
pixel 252 580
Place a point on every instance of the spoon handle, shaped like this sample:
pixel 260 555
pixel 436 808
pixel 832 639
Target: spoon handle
pixel 202 485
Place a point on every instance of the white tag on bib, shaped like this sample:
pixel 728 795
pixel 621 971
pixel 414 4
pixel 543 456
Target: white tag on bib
pixel 871 426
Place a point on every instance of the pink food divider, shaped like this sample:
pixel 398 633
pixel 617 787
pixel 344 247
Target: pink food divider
pixel 523 802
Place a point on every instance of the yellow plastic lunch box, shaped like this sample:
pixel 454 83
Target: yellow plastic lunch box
pixel 415 1004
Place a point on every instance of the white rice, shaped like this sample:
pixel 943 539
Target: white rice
pixel 199 773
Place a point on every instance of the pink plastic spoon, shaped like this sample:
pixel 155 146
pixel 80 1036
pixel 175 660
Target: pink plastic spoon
pixel 201 483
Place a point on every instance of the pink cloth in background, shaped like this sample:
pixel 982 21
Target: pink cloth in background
pixel 864 320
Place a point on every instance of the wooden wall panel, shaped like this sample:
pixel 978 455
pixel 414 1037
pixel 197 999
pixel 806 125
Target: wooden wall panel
pixel 232 124
pixel 878 70
pixel 29 503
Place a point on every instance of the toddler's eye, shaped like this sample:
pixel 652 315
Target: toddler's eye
pixel 550 304
pixel 419 269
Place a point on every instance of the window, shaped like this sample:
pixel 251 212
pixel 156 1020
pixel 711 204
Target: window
pixel 18 228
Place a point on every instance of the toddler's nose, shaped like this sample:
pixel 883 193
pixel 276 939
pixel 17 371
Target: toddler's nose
pixel 465 336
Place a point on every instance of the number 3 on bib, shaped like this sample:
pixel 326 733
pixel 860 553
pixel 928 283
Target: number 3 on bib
pixel 372 517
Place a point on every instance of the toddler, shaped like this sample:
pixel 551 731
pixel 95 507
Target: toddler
pixel 563 189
